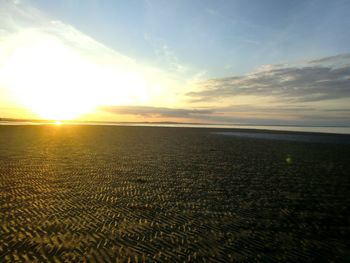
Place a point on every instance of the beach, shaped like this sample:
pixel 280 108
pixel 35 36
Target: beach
pixel 90 193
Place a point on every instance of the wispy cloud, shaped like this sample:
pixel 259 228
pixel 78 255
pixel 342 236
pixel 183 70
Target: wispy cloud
pixel 45 59
pixel 165 55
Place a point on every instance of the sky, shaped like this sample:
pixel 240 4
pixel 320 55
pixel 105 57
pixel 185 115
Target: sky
pixel 244 62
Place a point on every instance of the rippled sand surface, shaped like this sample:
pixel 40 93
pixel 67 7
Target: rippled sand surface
pixel 144 194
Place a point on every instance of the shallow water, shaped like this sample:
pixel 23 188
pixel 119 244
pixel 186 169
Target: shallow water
pixel 311 138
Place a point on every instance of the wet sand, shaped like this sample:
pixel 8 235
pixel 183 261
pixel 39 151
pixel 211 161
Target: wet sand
pixel 143 194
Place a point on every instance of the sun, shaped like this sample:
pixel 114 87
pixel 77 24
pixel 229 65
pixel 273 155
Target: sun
pixel 48 79
pixel 58 123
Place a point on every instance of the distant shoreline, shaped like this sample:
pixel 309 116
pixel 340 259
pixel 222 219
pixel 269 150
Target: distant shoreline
pixel 38 121
pixel 277 128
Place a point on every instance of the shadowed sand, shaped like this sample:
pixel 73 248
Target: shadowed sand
pixel 106 193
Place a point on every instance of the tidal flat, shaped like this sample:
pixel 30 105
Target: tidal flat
pixel 80 193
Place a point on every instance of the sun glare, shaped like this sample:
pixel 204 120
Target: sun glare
pixel 59 83
pixel 58 123
pixel 46 77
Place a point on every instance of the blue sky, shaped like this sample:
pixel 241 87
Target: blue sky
pixel 256 62
pixel 218 37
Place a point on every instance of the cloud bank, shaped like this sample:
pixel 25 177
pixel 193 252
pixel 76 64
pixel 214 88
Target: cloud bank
pixel 239 114
pixel 314 82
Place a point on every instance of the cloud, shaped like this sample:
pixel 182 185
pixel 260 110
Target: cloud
pixel 290 84
pixel 149 111
pixel 239 114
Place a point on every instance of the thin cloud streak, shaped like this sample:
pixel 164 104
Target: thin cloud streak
pixel 155 111
pixel 336 58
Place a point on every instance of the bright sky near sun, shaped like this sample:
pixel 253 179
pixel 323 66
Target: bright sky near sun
pixel 259 62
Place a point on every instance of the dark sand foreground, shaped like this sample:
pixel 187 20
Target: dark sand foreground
pixel 135 194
